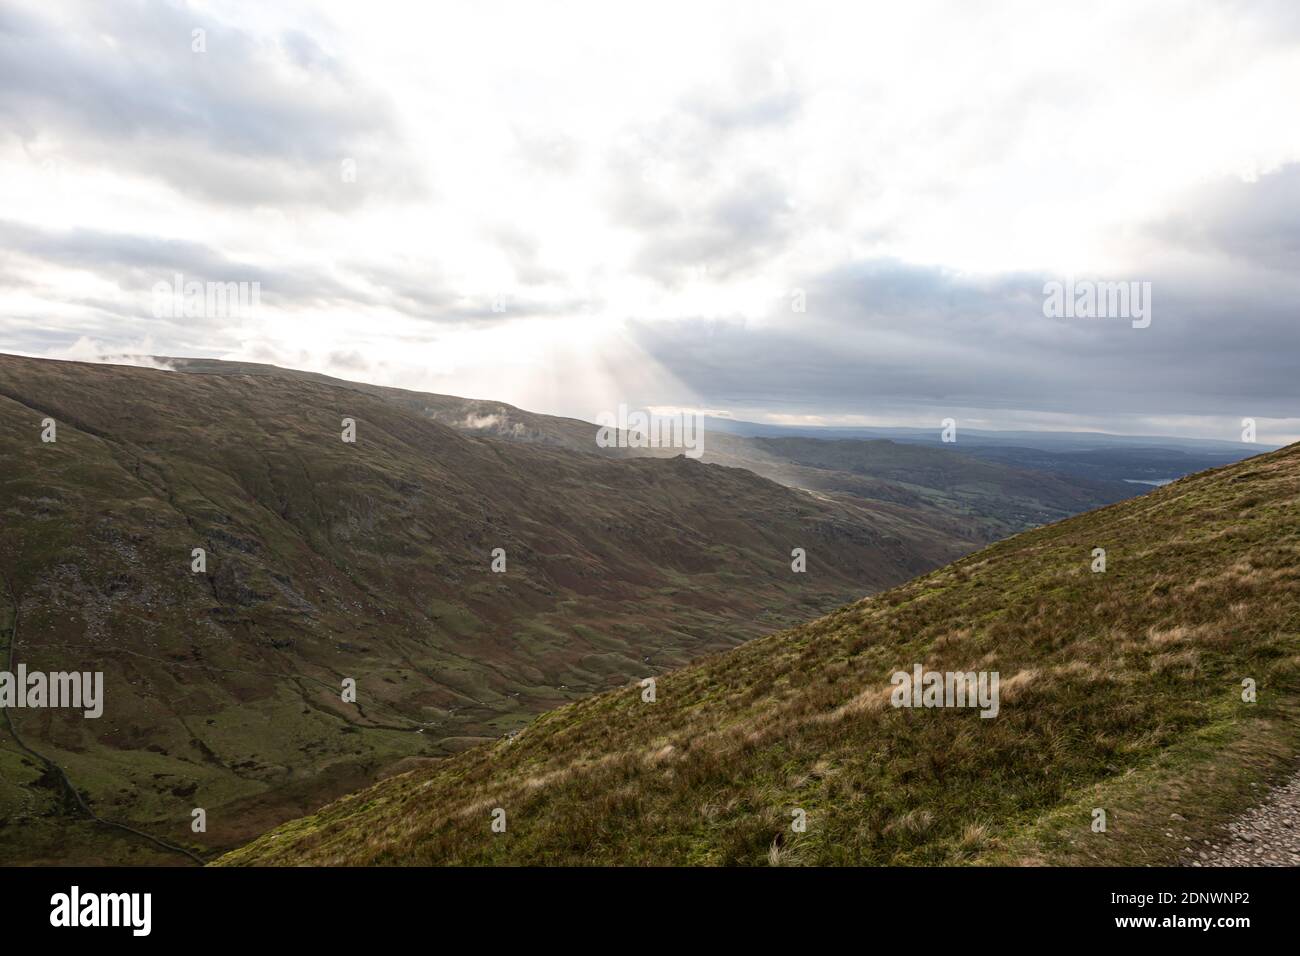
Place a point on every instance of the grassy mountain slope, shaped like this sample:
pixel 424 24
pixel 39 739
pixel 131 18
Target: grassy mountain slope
pixel 480 417
pixel 1121 691
pixel 371 561
pixel 964 497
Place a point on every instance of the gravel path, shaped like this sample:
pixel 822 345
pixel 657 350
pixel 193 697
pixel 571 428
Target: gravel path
pixel 1266 835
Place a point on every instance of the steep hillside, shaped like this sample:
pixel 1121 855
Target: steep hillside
pixel 943 487
pixel 479 417
pixel 1121 691
pixel 328 560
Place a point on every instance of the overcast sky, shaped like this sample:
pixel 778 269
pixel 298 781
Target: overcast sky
pixel 572 206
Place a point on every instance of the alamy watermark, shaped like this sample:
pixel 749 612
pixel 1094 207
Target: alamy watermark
pixel 1086 299
pixel 79 690
pixel 129 910
pixel 180 299
pixel 923 688
pixel 645 429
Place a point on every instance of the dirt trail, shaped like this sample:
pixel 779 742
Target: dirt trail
pixel 1266 835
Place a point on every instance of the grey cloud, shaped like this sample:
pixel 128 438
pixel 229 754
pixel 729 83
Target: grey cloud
pixel 123 88
pixel 883 335
pixel 410 288
pixel 549 151
pixel 671 180
pixel 758 93
pixel 524 253
pixel 352 361
pixel 137 262
pixel 134 264
pixel 1257 222
pixel 723 232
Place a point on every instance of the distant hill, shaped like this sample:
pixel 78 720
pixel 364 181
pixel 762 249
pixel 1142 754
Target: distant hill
pixel 1042 439
pixel 1151 696
pixel 1092 456
pixel 997 499
pixel 975 500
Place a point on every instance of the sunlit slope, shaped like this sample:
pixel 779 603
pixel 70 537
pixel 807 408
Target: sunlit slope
pixel 1121 691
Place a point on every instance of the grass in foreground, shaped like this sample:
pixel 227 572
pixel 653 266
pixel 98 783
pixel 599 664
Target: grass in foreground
pixel 1121 690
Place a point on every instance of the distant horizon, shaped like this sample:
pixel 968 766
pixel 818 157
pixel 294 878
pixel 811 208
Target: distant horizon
pixel 778 422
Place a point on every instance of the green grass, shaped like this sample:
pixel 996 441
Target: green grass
pixel 1120 691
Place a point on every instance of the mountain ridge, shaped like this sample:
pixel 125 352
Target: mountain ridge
pixel 979 500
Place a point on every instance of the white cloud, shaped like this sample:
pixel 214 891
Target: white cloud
pixel 530 179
